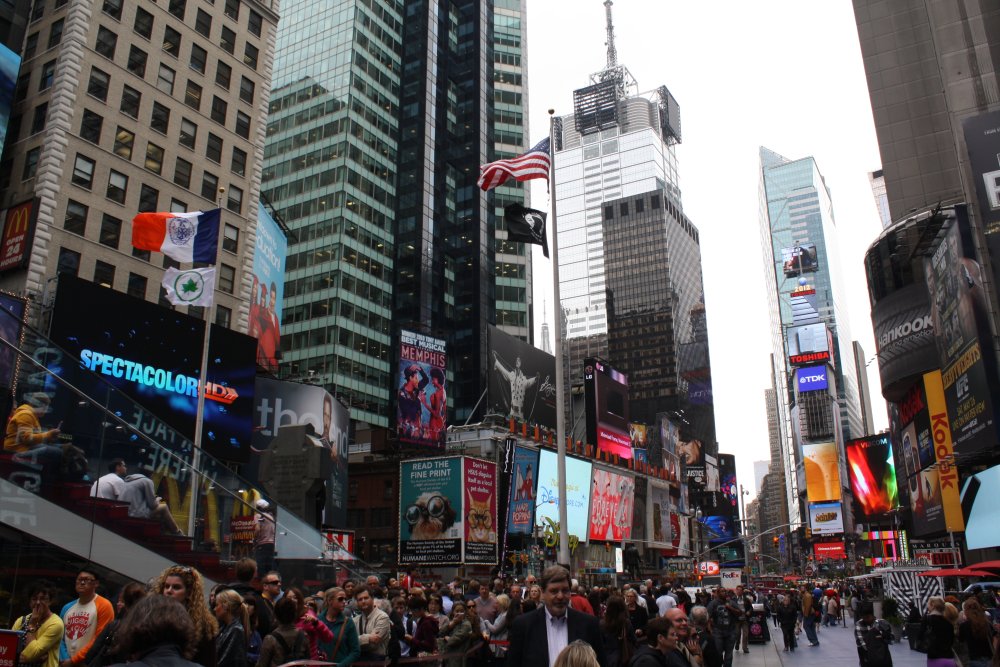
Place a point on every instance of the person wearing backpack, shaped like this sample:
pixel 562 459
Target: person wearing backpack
pixel 873 638
pixel 286 643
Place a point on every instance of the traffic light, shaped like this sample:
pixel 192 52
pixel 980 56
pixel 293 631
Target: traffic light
pixel 775 539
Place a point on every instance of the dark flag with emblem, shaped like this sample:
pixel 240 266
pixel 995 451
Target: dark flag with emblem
pixel 526 225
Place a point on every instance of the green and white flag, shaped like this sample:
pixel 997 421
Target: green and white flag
pixel 190 287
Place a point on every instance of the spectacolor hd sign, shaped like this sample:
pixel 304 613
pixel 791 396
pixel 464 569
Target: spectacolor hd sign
pixel 812 378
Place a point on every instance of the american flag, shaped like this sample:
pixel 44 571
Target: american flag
pixel 533 164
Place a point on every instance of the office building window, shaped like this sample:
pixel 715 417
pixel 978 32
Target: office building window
pixel 239 163
pixel 106 43
pixel 30 163
pixel 136 286
pixel 234 201
pixel 37 10
pixel 199 58
pixel 14 129
pixel 149 198
pixel 228 40
pixel 177 7
pixel 90 126
pixel 69 262
pixel 227 278
pixel 98 84
pixel 117 186
pixel 255 23
pixel 192 96
pixel 137 61
pixel 131 98
pixel 55 33
pixel 30 46
pixel 143 23
pixel 172 42
pixel 230 238
pixel 165 80
pixel 213 149
pixel 178 206
pixel 160 119
pixel 124 141
pixel 203 23
pixel 654 202
pixel 104 274
pixel 219 109
pixel 233 9
pixel 83 172
pixel 154 158
pixel 141 254
pixel 111 231
pixel 242 124
pixel 247 89
pixel 113 8
pixel 38 117
pixel 250 55
pixel 182 173
pixel 223 316
pixel 223 74
pixel 189 133
pixel 209 186
pixel 48 75
pixel 76 217
pixel 21 88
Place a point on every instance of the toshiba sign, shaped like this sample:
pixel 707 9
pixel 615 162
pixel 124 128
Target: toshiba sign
pixel 812 378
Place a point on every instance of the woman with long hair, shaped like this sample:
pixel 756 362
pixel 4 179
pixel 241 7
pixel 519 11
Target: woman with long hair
pixel 499 629
pixel 617 632
pixel 976 633
pixel 939 633
pixel 254 638
pixel 315 630
pixel 184 584
pixel 102 651
pixel 456 636
pixel 234 619
pixel 158 631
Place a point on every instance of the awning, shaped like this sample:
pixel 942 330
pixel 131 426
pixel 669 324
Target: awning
pixel 952 572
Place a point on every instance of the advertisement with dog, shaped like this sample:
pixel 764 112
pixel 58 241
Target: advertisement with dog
pixel 430 511
pixel 480 511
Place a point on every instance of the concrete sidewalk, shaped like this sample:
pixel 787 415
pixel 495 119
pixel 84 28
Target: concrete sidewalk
pixel 836 647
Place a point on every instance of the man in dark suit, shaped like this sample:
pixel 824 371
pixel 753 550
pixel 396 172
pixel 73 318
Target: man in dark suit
pixel 537 637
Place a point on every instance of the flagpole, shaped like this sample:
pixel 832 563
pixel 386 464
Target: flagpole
pixel 560 373
pixel 199 420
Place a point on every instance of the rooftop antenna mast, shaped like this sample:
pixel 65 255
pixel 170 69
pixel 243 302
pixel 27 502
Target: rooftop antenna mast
pixel 618 74
pixel 612 53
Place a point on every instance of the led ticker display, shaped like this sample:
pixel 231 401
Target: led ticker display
pixel 872 474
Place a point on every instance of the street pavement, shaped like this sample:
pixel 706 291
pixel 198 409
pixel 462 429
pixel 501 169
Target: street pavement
pixel 836 647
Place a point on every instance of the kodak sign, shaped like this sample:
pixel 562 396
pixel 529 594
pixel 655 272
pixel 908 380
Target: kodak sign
pixel 944 453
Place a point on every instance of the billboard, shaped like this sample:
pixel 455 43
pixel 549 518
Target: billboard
pixel 18 233
pixel 826 518
pixel 799 259
pixel 811 378
pixel 421 401
pixel 904 334
pixel 153 355
pixel 943 451
pixel 264 322
pixel 829 551
pixel 872 474
pixel 431 524
pixel 807 339
pixel 719 528
pixel 607 408
pixel 523 489
pixel 822 469
pixel 10 65
pixel 981 509
pixel 982 139
pixel 659 529
pixel 611 500
pixel 521 380
pixel 728 485
pixel 11 324
pixel 278 403
pixel 578 479
pixel 960 314
pixel 926 505
pixel 480 511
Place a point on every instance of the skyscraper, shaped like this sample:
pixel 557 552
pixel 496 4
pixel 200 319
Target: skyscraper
pixel 381 117
pixel 123 107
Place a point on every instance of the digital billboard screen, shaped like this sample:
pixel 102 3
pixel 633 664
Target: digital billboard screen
pixel 578 480
pixel 421 400
pixel 264 322
pixel 799 259
pixel 807 339
pixel 872 473
pixel 728 485
pixel 611 498
pixel 606 393
pixel 523 490
pixel 521 380
pixel 811 378
pixel 153 355
pixel 822 469
pixel 660 531
pixel 981 509
pixel 11 324
pixel 826 518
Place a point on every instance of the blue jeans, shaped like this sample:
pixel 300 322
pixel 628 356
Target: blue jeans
pixel 809 625
pixel 725 640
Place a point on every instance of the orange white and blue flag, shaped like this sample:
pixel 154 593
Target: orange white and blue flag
pixel 184 237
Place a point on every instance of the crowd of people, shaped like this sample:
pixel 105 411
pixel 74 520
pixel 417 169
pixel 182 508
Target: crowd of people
pixel 551 621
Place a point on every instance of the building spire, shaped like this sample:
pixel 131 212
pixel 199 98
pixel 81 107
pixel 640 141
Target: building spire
pixel 546 345
pixel 612 52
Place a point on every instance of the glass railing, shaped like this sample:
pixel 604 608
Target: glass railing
pixel 211 507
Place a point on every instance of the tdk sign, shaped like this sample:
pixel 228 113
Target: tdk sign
pixel 813 378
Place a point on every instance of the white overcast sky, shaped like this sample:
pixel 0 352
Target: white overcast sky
pixel 784 74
